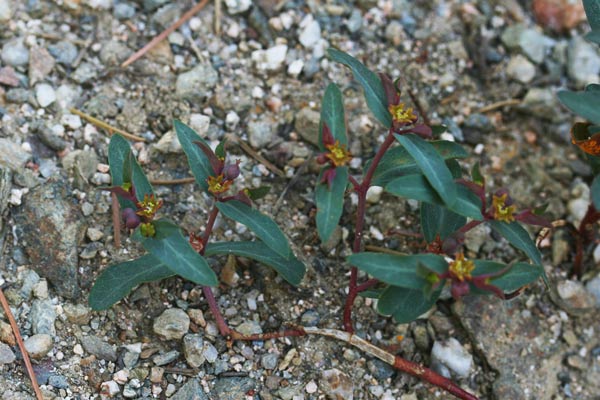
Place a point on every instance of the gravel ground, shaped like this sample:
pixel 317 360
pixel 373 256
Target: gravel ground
pixel 261 80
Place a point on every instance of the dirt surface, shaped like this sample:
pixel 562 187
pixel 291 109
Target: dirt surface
pixel 489 70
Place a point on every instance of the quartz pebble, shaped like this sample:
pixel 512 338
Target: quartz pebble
pixel 452 355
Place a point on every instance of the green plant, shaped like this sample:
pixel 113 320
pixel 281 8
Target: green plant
pixel 586 135
pixel 408 164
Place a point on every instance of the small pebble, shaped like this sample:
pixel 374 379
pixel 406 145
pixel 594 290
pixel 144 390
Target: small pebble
pixel 39 345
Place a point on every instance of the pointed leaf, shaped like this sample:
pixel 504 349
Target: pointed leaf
pixel 418 188
pixel 519 275
pixel 264 227
pixel 518 237
pixel 124 168
pixel 290 269
pixel 584 104
pixel 330 202
pixel 258 193
pixel 332 114
pixel 398 270
pixel 595 189
pixel 438 220
pixel 374 92
pixel 592 12
pixel 138 178
pixel 199 163
pixel 432 165
pixel 172 249
pixel 397 161
pixel 116 281
pixel 405 304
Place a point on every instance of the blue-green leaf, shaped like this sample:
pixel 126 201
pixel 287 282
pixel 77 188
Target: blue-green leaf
pixel 199 163
pixel 518 237
pixel 290 269
pixel 175 252
pixel 332 114
pixel 397 161
pixel 264 227
pixel 330 202
pixel 405 304
pixel 374 92
pixel 584 104
pixel 595 189
pixel 592 11
pixel 519 275
pixel 432 165
pixel 398 270
pixel 416 187
pixel 116 281
pixel 438 220
pixel 124 168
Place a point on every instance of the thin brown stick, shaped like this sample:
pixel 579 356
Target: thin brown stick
pixel 254 154
pixel 166 182
pixel 380 249
pixel 499 104
pixel 217 17
pixel 15 328
pixel 116 220
pixel 161 36
pixel 104 125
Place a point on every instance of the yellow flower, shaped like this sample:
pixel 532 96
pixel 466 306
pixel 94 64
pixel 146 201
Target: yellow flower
pixel 338 154
pixel 149 206
pixel 460 268
pixel 218 184
pixel 402 115
pixel 148 229
pixel 501 211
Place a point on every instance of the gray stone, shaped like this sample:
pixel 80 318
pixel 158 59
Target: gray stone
pixel 77 313
pixel 96 346
pixel 114 53
pixel 452 355
pixel 81 163
pixel 58 382
pixel 380 370
pixel 30 279
pixel 7 9
pixel 530 42
pixel 42 316
pixel 354 22
pixel 583 61
pixel 130 359
pixel 307 125
pixel 150 5
pixel 12 156
pixel 167 15
pixel 45 94
pixel 41 64
pixel 6 354
pixel 90 250
pixel 269 360
pixel 542 103
pixel 64 52
pixel 85 72
pixel 68 95
pixel 536 368
pixel 48 137
pixel 336 385
pixel 262 132
pixel 39 345
pixel 173 323
pixel 49 227
pixel 165 358
pixel 520 69
pixel 593 288
pixel 193 347
pixel 195 85
pixel 123 11
pixel 15 53
pixel 574 294
pixel 249 328
pixel 192 390
pixel 233 388
pixel 210 353
pixel 18 95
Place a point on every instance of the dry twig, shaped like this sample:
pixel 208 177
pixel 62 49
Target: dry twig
pixel 104 125
pixel 161 36
pixel 499 104
pixel 15 328
pixel 172 181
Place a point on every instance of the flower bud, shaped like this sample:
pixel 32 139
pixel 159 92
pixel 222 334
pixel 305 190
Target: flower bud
pixel 231 171
pixel 322 158
pixel 132 220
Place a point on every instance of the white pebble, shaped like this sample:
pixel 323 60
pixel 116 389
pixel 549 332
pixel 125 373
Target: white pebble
pixel 295 68
pixel 110 388
pixel 374 194
pixel 453 355
pixel 311 387
pixel 45 94
pixel 72 121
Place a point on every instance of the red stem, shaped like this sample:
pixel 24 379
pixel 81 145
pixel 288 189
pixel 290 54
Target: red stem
pixel 420 372
pixel 361 189
pixel 367 285
pixel 584 235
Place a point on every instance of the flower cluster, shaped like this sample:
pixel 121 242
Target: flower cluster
pixel 144 212
pixel 337 155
